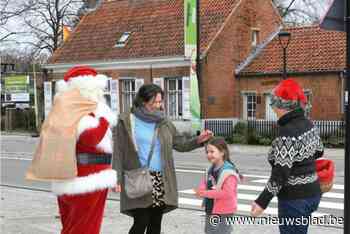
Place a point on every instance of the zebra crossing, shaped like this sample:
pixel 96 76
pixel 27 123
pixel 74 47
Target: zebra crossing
pixel 332 203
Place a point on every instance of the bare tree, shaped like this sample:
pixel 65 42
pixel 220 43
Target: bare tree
pixel 8 11
pixel 296 12
pixel 45 21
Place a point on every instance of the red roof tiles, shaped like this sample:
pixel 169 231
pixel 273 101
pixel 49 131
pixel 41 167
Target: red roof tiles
pixel 311 49
pixel 156 26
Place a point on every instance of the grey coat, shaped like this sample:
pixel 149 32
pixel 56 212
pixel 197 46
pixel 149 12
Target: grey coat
pixel 125 158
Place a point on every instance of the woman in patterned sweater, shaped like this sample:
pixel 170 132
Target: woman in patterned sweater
pixel 292 158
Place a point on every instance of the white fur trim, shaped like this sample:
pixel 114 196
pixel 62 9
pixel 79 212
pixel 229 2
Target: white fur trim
pixel 87 184
pixel 88 82
pixel 61 86
pixel 86 122
pixel 106 143
pixel 90 87
pixel 103 110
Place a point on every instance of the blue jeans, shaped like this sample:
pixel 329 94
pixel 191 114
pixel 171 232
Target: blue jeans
pixel 292 210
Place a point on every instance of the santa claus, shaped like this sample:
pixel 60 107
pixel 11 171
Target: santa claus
pixel 81 197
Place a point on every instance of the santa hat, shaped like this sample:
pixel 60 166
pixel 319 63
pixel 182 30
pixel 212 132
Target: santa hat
pixel 288 95
pixel 79 71
pixel 83 77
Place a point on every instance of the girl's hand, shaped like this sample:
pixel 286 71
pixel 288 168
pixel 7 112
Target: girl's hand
pixel 117 188
pixel 199 193
pixel 256 210
pixel 205 136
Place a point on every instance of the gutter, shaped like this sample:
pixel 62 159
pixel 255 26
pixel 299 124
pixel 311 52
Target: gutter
pixel 295 73
pixel 137 63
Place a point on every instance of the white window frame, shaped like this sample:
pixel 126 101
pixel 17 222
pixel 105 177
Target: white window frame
pixel 127 94
pixel 177 112
pixel 245 105
pixel 123 39
pixel 255 37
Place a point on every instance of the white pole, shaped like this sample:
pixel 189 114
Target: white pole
pixel 35 99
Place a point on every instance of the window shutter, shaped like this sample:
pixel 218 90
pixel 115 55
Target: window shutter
pixel 138 84
pixel 114 91
pixel 159 82
pixel 47 97
pixel 186 98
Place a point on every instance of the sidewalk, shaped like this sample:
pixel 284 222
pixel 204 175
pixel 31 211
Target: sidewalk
pixel 33 212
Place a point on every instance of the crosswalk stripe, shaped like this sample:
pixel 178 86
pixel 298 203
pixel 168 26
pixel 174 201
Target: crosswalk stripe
pixel 255 176
pixel 252 197
pixel 261 188
pixel 240 207
pixel 190 171
pixel 264 181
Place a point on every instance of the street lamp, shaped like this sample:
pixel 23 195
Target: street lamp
pixel 284 39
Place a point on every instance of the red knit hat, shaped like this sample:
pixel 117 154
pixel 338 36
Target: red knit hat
pixel 288 95
pixel 79 71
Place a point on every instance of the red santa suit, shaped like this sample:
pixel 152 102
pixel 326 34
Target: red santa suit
pixel 82 200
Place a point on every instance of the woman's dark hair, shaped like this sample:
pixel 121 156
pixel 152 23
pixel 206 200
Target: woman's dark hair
pixel 146 93
pixel 221 145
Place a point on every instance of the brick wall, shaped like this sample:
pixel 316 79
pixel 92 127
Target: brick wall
pixel 233 45
pixel 220 96
pixel 325 89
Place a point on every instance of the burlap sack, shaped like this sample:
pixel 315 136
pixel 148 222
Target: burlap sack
pixel 55 156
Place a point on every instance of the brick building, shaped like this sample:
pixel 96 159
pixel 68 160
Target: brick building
pixel 139 41
pixel 136 42
pixel 316 59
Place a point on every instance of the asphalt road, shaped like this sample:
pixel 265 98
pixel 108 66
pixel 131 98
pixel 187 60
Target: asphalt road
pixel 17 151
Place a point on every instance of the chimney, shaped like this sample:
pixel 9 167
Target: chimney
pixel 91 4
pixel 88 6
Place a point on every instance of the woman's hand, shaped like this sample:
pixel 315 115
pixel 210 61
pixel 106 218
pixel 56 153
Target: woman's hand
pixel 199 193
pixel 256 210
pixel 205 136
pixel 117 188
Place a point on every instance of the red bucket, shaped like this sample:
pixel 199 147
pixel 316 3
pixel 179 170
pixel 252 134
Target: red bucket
pixel 325 170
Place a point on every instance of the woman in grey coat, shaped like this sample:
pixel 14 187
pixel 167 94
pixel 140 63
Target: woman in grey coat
pixel 132 142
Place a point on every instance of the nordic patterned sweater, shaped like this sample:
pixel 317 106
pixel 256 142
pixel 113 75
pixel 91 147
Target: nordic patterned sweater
pixel 292 158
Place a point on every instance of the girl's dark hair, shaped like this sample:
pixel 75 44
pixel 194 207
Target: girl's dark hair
pixel 221 145
pixel 146 93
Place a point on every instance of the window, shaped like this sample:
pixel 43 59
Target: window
pixel 128 93
pixel 308 95
pixel 123 39
pixel 343 95
pixel 255 38
pixel 249 106
pixel 269 113
pixel 174 98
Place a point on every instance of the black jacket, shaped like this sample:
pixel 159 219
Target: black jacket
pixel 292 158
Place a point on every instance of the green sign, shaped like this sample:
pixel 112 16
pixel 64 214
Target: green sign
pixel 190 27
pixel 191 52
pixel 16 84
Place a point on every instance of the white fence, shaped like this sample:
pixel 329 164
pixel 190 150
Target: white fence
pixel 221 127
pixel 225 127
